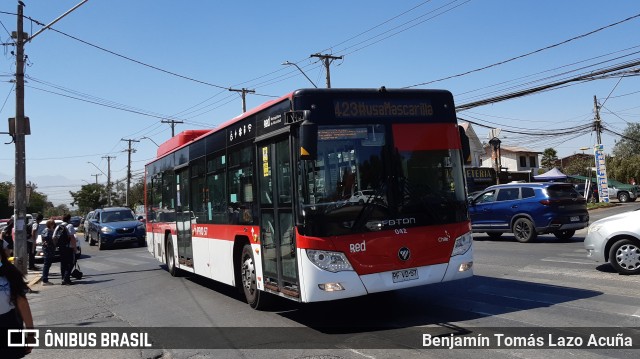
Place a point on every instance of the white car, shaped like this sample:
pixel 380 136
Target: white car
pixel 616 240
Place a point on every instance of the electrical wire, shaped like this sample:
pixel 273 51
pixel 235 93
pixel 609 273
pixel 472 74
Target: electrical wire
pixel 6 99
pixel 137 61
pixel 529 53
pixel 581 78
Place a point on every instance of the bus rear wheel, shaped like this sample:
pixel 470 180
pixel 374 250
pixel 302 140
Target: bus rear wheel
pixel 255 297
pixel 171 260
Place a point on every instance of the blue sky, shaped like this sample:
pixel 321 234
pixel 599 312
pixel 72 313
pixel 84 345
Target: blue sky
pixel 223 44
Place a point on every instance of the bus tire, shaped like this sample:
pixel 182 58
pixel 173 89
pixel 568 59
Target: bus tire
pixel 171 259
pixel 255 297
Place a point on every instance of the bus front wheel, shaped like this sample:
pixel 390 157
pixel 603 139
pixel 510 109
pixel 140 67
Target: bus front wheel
pixel 254 296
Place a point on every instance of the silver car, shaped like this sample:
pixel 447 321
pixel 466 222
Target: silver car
pixel 616 240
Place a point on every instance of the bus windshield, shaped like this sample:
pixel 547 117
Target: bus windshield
pixel 361 182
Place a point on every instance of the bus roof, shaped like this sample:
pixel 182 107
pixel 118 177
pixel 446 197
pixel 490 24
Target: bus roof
pixel 185 137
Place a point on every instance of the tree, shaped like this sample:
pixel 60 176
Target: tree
pixel 579 166
pixel 89 197
pixel 625 162
pixel 624 168
pixel 549 158
pixel 38 202
pixel 58 211
pixel 136 194
pixel 629 144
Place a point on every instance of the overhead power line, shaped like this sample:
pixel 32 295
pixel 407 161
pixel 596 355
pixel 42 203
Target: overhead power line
pixel 550 132
pixel 131 59
pixel 528 53
pixel 621 135
pixel 591 76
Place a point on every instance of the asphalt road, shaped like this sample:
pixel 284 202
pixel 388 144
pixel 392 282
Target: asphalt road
pixel 524 285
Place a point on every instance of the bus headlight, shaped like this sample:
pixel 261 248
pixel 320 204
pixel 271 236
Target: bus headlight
pixel 462 244
pixel 329 261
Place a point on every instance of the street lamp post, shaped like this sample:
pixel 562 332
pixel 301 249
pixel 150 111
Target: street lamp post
pixel 298 67
pixel 147 138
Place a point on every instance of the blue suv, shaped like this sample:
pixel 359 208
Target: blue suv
pixel 114 225
pixel 529 209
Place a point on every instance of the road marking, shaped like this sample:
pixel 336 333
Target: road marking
pixel 364 355
pixel 560 260
pixel 594 274
pixel 636 314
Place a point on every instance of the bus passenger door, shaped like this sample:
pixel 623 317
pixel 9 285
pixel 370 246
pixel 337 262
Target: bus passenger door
pixel 183 219
pixel 276 217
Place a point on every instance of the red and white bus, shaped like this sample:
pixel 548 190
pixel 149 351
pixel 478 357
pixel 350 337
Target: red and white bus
pixel 319 195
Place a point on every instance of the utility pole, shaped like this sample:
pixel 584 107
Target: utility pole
pixel 20 203
pixel 109 178
pixel 173 125
pixel 597 125
pixel 96 176
pixel 599 156
pixel 126 195
pixel 244 97
pixel 21 128
pixel 327 59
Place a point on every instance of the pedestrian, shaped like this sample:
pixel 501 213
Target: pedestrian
pixel 48 249
pixel 67 246
pixel 15 312
pixel 32 234
pixel 7 236
pixel 5 247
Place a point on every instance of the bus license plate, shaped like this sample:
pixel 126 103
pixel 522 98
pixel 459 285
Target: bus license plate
pixel 574 219
pixel 405 275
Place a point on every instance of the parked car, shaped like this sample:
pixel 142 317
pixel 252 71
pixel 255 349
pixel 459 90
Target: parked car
pixel 87 221
pixel 75 221
pixel 622 191
pixel 616 240
pixel 592 196
pixel 115 225
pixel 529 209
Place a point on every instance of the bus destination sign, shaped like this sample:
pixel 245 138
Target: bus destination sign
pixel 342 133
pixel 381 108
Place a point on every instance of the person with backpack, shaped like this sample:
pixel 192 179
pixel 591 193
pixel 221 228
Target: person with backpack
pixel 49 249
pixel 66 240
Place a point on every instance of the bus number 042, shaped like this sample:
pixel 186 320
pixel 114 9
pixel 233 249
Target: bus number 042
pixel 401 231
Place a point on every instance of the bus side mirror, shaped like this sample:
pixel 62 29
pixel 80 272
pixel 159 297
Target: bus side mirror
pixel 308 140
